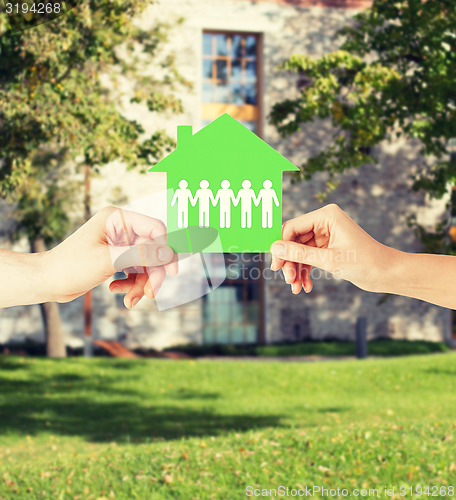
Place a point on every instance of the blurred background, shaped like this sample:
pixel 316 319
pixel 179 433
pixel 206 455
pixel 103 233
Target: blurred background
pixel 185 63
pixel 361 97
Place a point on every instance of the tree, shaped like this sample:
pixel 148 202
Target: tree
pixel 60 113
pixel 392 77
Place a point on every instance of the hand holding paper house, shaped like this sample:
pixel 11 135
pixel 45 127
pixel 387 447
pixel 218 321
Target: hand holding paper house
pixel 224 177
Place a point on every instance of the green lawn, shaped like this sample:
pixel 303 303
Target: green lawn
pixel 152 429
pixel 384 347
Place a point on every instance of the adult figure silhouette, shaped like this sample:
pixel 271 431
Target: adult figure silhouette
pixel 203 196
pixel 246 195
pixel 182 196
pixel 267 196
pixel 224 198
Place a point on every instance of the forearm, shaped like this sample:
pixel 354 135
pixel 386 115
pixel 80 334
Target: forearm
pixel 23 278
pixel 427 277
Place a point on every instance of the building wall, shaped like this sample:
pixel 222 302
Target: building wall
pixel 378 197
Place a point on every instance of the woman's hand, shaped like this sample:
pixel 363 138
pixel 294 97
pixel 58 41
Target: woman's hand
pixel 328 239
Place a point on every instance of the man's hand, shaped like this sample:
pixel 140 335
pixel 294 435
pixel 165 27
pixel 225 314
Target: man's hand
pixel 113 240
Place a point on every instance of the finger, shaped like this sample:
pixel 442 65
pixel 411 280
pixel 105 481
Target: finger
pixel 305 238
pixel 296 287
pixel 318 219
pixel 302 239
pixel 122 285
pixel 136 292
pixel 143 225
pixel 290 272
pixel 144 254
pixel 154 283
pixel 134 270
pixel 306 279
pixel 173 267
pixel 303 224
pixel 276 263
pixel 306 269
pixel 304 254
pixel 310 243
pixel 124 228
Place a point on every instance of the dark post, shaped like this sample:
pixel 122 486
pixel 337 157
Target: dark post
pixel 361 338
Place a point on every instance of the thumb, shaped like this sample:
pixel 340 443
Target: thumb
pixel 140 255
pixel 303 254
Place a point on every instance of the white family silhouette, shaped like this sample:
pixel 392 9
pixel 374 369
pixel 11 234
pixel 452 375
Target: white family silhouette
pixel 225 198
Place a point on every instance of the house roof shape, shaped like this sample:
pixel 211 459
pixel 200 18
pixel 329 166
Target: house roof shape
pixel 223 144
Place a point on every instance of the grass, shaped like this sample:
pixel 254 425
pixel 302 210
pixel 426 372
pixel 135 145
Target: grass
pixel 153 429
pixel 384 347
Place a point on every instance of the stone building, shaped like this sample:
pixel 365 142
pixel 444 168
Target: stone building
pixel 230 50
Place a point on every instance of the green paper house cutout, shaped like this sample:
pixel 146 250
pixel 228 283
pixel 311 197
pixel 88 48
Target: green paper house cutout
pixel 224 150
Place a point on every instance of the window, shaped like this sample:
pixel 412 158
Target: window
pixel 232 312
pixel 231 71
pixel 231 77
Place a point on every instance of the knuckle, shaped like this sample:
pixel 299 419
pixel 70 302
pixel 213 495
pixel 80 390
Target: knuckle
pixel 297 253
pixel 333 208
pixel 305 272
pixel 108 210
pixel 108 214
pixel 161 224
pixel 150 251
pixel 301 254
pixel 288 230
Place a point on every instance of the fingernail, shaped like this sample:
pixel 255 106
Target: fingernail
pixel 279 250
pixel 115 288
pixel 288 278
pixel 134 301
pixel 165 254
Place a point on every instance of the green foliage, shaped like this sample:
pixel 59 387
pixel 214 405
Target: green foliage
pixel 44 200
pixel 60 97
pixel 149 429
pixel 393 77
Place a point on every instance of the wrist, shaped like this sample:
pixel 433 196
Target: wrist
pixel 426 277
pixel 390 264
pixel 45 269
pixel 25 278
pixel 405 273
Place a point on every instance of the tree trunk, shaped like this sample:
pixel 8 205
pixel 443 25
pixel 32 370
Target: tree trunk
pixel 55 344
